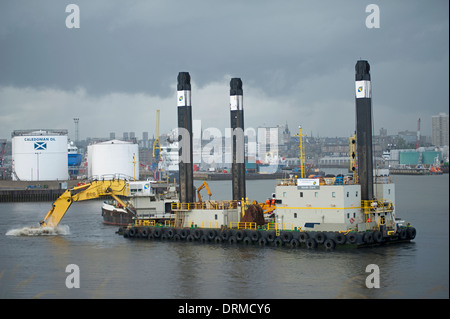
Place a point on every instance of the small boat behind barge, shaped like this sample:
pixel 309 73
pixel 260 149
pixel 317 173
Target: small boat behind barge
pixel 149 200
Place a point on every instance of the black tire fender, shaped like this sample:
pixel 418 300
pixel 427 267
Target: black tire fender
pixel 411 232
pixel 329 244
pixel 368 237
pixel 340 239
pixel 157 232
pixel 320 237
pixel 239 235
pixel 311 243
pixel 377 236
pixel 303 237
pixel 232 240
pixel 352 238
pixel 247 240
pixel 295 243
pixel 262 241
pixel 286 237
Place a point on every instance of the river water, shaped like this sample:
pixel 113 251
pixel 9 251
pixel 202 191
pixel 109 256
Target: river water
pixel 111 266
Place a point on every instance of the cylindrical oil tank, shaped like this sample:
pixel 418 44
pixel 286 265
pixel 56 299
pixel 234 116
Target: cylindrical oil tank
pixel 112 159
pixel 39 155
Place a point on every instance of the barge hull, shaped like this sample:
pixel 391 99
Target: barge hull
pixel 295 239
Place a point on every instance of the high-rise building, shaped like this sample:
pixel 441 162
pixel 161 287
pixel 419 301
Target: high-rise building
pixel 439 129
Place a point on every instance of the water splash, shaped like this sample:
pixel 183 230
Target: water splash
pixel 39 231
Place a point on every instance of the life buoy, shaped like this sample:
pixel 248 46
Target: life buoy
pixel 352 220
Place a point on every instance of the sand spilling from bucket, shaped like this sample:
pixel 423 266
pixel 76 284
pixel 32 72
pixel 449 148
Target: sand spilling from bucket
pixel 39 231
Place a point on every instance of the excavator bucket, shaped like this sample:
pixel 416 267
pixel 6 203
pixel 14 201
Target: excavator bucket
pixel 59 208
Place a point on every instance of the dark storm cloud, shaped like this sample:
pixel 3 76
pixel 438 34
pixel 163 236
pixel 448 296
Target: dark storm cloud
pixel 300 52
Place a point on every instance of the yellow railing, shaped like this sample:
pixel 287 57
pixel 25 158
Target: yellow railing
pixel 280 226
pixel 169 223
pixel 322 181
pixel 144 222
pixel 227 204
pixel 333 181
pixel 376 206
pixel 210 225
pixel 243 225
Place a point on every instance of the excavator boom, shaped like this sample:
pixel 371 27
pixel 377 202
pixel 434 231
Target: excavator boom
pixel 94 189
pixel 204 185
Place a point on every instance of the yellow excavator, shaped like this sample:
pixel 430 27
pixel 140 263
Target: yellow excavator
pixel 91 190
pixel 204 185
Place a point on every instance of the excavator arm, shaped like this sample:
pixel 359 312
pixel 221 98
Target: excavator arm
pixel 94 189
pixel 204 185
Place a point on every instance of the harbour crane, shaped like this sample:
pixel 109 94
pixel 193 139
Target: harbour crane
pixel 418 134
pixel 156 143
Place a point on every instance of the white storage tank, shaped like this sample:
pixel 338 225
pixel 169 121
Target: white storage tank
pixel 39 155
pixel 114 158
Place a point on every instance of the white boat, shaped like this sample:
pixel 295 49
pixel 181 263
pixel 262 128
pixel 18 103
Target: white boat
pixel 150 200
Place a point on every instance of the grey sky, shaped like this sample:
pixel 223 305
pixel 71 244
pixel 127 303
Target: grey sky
pixel 296 60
